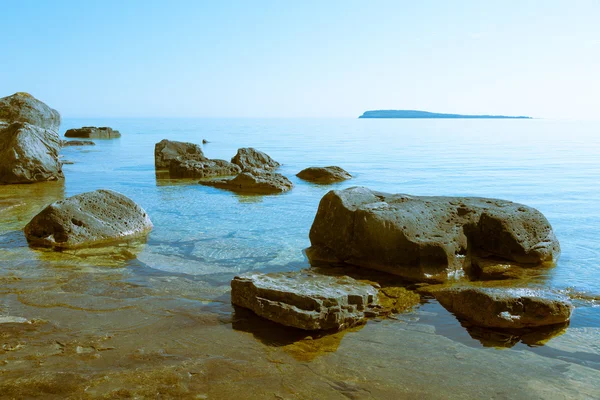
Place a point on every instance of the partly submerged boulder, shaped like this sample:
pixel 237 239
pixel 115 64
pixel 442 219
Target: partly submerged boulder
pixel 92 132
pixel 201 168
pixel 167 150
pixel 248 157
pixel 253 181
pixel 23 107
pixel 505 307
pixel 91 218
pixel 304 299
pixel 324 175
pixel 67 143
pixel 28 154
pixel 427 238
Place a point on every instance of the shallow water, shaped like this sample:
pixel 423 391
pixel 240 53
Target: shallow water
pixel 155 317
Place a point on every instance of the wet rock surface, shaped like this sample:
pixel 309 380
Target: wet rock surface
pixel 67 143
pixel 253 181
pixel 23 107
pixel 179 169
pixel 304 300
pixel 29 154
pixel 166 151
pixel 324 175
pixel 92 132
pixel 248 157
pixel 427 238
pixel 90 218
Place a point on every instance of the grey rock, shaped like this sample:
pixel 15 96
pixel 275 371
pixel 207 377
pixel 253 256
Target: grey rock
pixel 427 238
pixel 28 154
pixel 505 307
pixel 166 151
pixel 253 181
pixel 90 218
pixel 250 158
pixel 324 175
pixel 92 132
pixel 304 300
pixel 23 107
pixel 179 169
pixel 67 143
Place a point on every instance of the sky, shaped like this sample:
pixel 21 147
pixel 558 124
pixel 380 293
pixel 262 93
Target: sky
pixel 303 58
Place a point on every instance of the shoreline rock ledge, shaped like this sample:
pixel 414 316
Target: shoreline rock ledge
pixel 305 300
pixel 86 219
pixel 429 239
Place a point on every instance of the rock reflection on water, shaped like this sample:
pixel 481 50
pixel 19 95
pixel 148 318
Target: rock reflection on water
pixel 20 203
pixel 504 338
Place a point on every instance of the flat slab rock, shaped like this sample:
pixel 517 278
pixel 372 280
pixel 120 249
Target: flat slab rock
pixel 324 175
pixel 23 107
pixel 253 181
pixel 506 307
pixel 91 218
pixel 92 132
pixel 166 151
pixel 303 299
pixel 179 169
pixel 427 238
pixel 247 158
pixel 67 143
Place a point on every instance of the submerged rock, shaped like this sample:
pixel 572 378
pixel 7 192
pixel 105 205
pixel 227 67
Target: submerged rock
pixel 248 157
pixel 201 169
pixel 28 154
pixel 304 300
pixel 23 107
pixel 324 175
pixel 67 143
pixel 427 238
pixel 505 307
pixel 90 218
pixel 93 132
pixel 166 151
pixel 254 181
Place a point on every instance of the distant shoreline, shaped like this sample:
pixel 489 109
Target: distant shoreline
pixel 426 114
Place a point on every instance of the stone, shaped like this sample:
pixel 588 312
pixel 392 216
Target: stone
pixel 201 168
pixel 28 154
pixel 427 238
pixel 90 218
pixel 324 175
pixel 253 181
pixel 23 107
pixel 92 132
pixel 204 141
pixel 67 143
pixel 248 157
pixel 509 308
pixel 303 299
pixel 166 151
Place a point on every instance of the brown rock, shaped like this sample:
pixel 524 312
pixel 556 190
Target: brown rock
pixel 255 181
pixel 67 143
pixel 201 169
pixel 167 150
pixel 250 158
pixel 92 132
pixel 324 175
pixel 23 107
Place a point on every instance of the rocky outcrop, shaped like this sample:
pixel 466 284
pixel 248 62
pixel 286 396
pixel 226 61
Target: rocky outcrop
pixel 23 107
pixel 91 218
pixel 304 300
pixel 427 238
pixel 179 169
pixel 247 158
pixel 505 308
pixel 92 132
pixel 67 143
pixel 29 154
pixel 166 151
pixel 253 181
pixel 324 175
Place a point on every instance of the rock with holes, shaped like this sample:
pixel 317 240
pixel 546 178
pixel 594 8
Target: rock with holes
pixel 304 299
pixel 91 218
pixel 505 307
pixel 23 107
pixel 206 168
pixel 253 181
pixel 166 151
pixel 92 132
pixel 248 157
pixel 324 175
pixel 427 238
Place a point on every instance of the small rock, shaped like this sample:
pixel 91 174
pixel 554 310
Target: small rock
pixel 250 158
pixel 179 169
pixel 254 181
pixel 166 151
pixel 324 175
pixel 66 143
pixel 204 141
pixel 93 132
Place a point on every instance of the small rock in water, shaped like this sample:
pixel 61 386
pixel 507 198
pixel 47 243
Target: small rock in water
pixel 324 175
pixel 253 181
pixel 251 158
pixel 93 132
pixel 66 143
pixel 166 151
pixel 179 169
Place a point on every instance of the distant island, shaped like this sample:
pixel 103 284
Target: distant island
pixel 426 114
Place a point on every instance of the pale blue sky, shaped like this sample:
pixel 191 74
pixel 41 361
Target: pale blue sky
pixel 305 58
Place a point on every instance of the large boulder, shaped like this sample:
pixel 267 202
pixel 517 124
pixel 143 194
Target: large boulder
pixel 324 175
pixel 92 132
pixel 28 154
pixel 206 168
pixel 504 307
pixel 167 150
pixel 427 238
pixel 91 218
pixel 248 157
pixel 253 181
pixel 23 107
pixel 304 299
